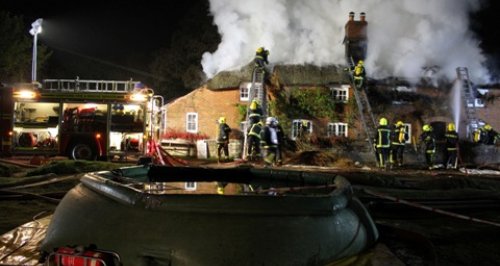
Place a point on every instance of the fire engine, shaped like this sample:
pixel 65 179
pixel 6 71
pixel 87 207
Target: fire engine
pixel 81 119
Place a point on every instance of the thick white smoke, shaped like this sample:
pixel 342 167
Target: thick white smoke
pixel 404 35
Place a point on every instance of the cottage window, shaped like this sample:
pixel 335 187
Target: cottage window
pixel 337 129
pixel 245 91
pixel 341 94
pixel 296 126
pixel 192 122
pixel 190 186
pixel 479 102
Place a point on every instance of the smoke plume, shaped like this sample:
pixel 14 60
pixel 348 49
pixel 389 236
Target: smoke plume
pixel 404 36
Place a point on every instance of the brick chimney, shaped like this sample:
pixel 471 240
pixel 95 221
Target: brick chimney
pixel 355 39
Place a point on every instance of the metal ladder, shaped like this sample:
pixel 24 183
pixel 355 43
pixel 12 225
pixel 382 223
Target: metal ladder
pixel 79 85
pixel 364 108
pixel 256 91
pixel 468 97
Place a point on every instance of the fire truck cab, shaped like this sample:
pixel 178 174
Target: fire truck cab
pixel 81 119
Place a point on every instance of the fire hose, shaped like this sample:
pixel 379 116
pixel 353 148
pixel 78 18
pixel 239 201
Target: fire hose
pixel 427 208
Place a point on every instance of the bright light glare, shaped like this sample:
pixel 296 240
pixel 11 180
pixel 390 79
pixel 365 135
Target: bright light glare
pixel 25 94
pixel 138 97
pixel 36 27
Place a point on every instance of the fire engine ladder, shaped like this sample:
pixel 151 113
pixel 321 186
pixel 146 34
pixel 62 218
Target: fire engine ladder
pixel 256 91
pixel 364 107
pixel 468 99
pixel 80 85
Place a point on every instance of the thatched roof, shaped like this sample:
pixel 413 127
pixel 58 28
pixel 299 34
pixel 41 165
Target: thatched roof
pixel 310 75
pixel 231 79
pixel 287 75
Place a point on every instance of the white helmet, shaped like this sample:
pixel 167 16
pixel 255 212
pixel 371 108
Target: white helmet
pixel 269 120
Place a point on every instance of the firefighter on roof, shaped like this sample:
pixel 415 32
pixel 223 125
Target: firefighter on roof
pixel 261 60
pixel 451 152
pixel 359 75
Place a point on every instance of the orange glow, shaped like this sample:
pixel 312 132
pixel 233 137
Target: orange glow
pixel 10 133
pixel 98 135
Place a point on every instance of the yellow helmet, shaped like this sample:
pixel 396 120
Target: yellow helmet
pixel 399 123
pixel 426 128
pixel 383 121
pixel 487 127
pixel 451 127
pixel 260 50
pixel 254 104
pixel 360 62
pixel 222 120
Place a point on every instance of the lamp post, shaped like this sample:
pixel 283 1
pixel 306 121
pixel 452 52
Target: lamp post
pixel 36 28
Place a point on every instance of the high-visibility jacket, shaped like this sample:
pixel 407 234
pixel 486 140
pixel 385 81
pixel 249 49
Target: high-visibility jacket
pixel 399 136
pixel 383 139
pixel 255 130
pixel 451 140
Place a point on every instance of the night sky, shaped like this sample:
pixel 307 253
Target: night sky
pixel 127 34
pixel 119 33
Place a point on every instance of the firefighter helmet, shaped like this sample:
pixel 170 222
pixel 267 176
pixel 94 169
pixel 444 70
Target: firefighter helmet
pixel 254 104
pixel 487 127
pixel 260 50
pixel 269 120
pixel 426 128
pixel 222 120
pixel 451 127
pixel 383 121
pixel 360 62
pixel 399 123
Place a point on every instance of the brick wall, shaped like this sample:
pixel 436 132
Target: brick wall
pixel 210 105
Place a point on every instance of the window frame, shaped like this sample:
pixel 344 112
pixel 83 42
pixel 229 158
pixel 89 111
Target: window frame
pixel 190 186
pixel 245 90
pixel 337 90
pixel 333 129
pixel 195 122
pixel 295 127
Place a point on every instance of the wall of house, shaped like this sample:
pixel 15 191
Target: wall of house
pixel 209 105
pixel 491 112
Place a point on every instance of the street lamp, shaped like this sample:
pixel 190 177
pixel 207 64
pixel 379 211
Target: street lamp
pixel 36 28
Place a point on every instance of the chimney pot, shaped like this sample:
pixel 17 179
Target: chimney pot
pixel 351 16
pixel 362 16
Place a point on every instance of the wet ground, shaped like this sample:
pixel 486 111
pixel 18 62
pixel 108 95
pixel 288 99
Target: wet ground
pixel 412 236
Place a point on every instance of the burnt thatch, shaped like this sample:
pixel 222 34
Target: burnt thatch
pixel 289 75
pixel 231 79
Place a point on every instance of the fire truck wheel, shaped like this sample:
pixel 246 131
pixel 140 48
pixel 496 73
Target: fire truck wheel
pixel 82 152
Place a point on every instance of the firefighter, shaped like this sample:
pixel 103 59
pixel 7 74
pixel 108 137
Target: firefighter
pixel 260 60
pixel 429 142
pixel 451 152
pixel 399 138
pixel 383 143
pixel 255 112
pixel 270 141
pixel 490 135
pixel 281 142
pixel 223 139
pixel 253 148
pixel 359 75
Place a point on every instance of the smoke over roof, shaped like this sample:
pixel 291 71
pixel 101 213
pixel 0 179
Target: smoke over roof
pixel 404 36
